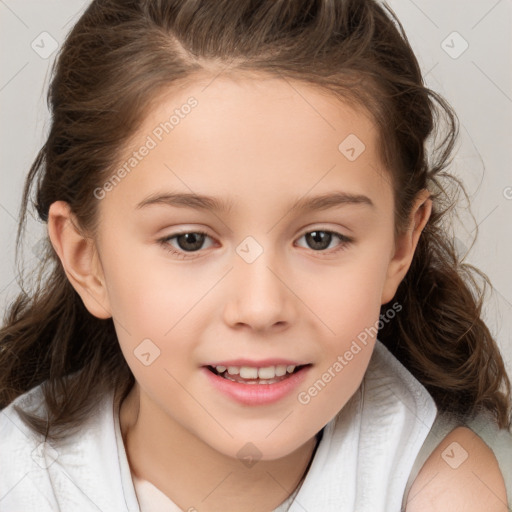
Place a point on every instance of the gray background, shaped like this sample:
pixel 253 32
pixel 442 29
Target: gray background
pixel 477 82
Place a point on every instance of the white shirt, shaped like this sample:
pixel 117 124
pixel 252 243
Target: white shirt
pixel 363 462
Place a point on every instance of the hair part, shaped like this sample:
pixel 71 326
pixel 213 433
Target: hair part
pixel 115 64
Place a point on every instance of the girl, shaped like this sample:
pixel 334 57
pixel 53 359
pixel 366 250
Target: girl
pixel 249 302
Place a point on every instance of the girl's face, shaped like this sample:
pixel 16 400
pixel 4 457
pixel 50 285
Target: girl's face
pixel 267 285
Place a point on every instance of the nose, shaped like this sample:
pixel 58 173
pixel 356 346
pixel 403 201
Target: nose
pixel 259 297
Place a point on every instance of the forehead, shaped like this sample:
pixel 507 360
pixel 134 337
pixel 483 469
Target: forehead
pixel 254 138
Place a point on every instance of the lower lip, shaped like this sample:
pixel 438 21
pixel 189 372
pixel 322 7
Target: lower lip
pixel 257 394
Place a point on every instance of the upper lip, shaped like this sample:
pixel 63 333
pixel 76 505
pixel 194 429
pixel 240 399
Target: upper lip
pixel 257 364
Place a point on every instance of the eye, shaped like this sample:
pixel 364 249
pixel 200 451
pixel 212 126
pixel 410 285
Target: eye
pixel 320 239
pixel 190 241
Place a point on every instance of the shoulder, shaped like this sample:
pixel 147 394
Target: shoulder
pixel 462 473
pixel 14 433
pixel 68 473
pixel 21 448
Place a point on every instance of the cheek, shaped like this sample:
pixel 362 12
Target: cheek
pixel 337 379
pixel 347 298
pixel 350 308
pixel 157 310
pixel 151 294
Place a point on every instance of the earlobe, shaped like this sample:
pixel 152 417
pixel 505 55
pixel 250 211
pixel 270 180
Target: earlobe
pixel 405 245
pixel 79 258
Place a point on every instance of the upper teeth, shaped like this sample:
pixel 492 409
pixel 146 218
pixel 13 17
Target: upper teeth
pixel 249 372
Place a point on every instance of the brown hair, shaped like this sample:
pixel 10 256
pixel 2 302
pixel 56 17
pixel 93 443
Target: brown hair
pixel 119 57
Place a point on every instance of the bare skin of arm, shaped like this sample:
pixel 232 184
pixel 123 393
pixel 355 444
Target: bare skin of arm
pixel 462 473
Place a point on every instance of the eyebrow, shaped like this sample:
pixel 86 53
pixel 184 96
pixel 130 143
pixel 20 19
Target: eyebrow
pixel 209 203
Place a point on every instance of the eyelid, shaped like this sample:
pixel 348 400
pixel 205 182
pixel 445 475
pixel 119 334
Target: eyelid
pixel 345 240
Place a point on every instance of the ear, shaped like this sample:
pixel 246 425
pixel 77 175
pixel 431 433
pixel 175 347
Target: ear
pixel 405 245
pixel 79 258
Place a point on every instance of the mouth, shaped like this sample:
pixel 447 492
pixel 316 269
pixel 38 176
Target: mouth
pixel 256 385
pixel 253 375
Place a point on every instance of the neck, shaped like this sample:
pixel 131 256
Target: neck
pixel 194 475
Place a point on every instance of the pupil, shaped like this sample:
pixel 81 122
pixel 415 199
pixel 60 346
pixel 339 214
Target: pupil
pixel 186 237
pixel 315 239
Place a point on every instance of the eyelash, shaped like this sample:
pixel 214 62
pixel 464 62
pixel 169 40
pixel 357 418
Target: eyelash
pixel 164 242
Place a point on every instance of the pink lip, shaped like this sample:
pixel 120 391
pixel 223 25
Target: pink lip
pixel 256 394
pixel 257 364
